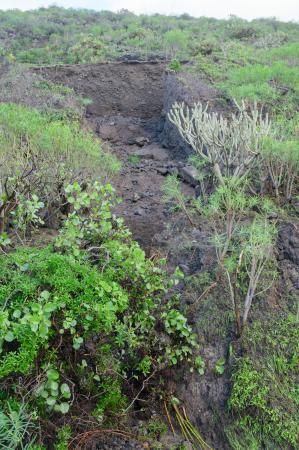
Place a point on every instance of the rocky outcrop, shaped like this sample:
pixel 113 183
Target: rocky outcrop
pixel 153 151
pixel 288 243
pixel 189 174
pixel 288 257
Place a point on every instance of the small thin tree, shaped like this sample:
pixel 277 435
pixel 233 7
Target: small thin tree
pixel 254 251
pixel 225 208
pixel 172 193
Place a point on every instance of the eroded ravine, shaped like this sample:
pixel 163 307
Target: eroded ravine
pixel 128 112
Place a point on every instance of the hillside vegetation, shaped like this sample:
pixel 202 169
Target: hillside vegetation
pixel 56 36
pixel 95 336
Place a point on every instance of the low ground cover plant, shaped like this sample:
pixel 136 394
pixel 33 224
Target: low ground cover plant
pixel 264 397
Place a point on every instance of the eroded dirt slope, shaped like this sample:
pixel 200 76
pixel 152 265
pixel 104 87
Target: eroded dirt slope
pixel 126 89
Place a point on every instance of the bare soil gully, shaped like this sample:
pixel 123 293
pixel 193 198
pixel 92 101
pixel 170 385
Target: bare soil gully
pixel 127 100
pixel 129 109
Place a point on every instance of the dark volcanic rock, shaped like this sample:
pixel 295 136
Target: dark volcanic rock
pixel 141 141
pixel 153 151
pixel 189 174
pixel 288 243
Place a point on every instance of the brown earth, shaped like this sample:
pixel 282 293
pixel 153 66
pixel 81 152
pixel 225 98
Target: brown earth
pixel 129 109
pixel 126 89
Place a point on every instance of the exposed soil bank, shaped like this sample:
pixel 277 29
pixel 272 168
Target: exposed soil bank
pixel 130 102
pixel 128 111
pixel 126 89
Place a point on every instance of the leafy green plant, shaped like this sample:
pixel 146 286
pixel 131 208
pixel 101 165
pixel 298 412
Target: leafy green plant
pixel 199 365
pixel 38 156
pixel 4 240
pixel 88 49
pixel 220 366
pixel 156 427
pixel 175 65
pixel 26 214
pixel 54 394
pixel 106 288
pixel 92 227
pixel 112 400
pixel 176 323
pixel 63 437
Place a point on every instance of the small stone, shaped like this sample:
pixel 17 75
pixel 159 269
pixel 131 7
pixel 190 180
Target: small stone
pixel 141 141
pixel 272 216
pixel 173 171
pixel 154 152
pixel 189 174
pixel 162 171
pixel 108 132
pixel 136 197
pixel 138 212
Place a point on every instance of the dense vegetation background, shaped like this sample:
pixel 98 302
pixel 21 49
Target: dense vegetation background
pixel 221 49
pixel 56 35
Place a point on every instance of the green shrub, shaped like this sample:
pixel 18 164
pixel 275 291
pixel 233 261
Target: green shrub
pixel 175 65
pixel 175 42
pixel 63 437
pixel 56 35
pixel 106 292
pixel 38 155
pixel 264 398
pixel 275 83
